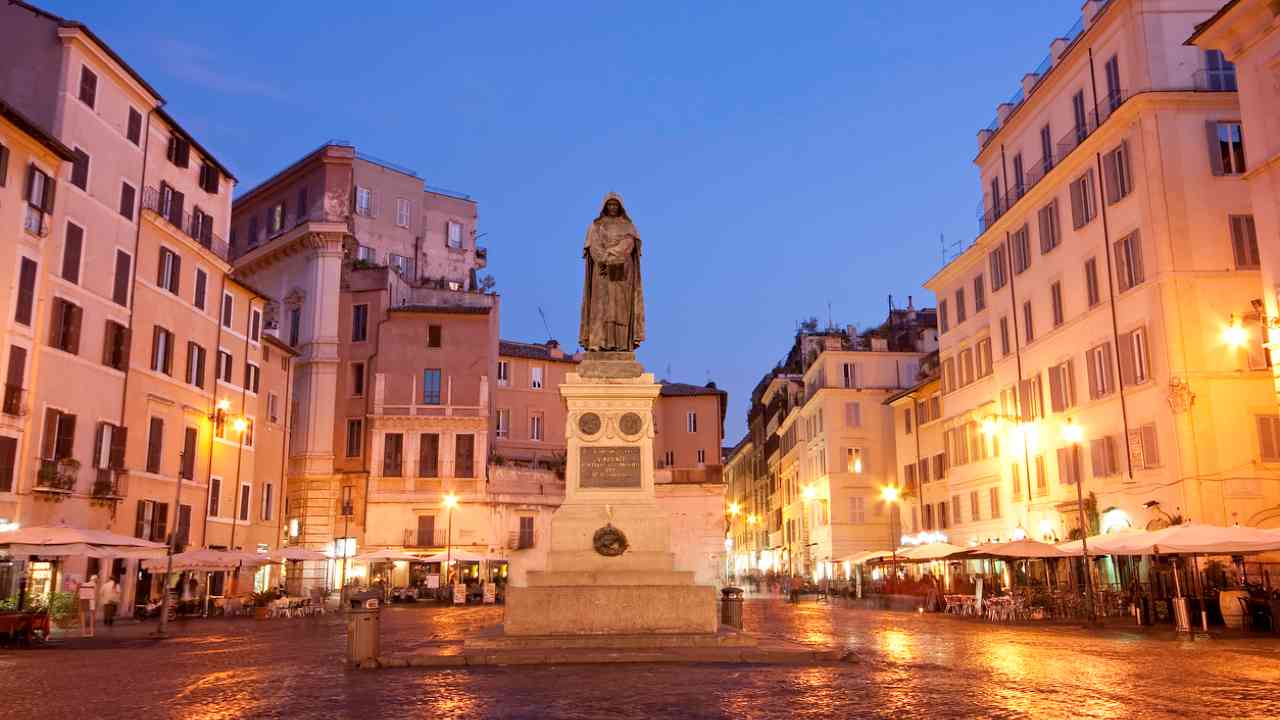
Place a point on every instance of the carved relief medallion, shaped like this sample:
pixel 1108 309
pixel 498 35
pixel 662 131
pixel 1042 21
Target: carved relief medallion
pixel 589 423
pixel 630 424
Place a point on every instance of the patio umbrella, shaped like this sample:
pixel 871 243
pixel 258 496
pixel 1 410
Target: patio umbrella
pixel 296 553
pixel 207 559
pixel 866 556
pixel 385 555
pixel 1096 542
pixel 65 541
pixel 1192 539
pixel 457 556
pixel 1017 549
pixel 931 551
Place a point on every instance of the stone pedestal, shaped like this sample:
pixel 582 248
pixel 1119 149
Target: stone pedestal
pixel 588 587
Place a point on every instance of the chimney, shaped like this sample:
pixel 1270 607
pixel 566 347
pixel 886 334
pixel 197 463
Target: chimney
pixel 553 349
pixel 910 305
pixel 1057 48
pixel 879 344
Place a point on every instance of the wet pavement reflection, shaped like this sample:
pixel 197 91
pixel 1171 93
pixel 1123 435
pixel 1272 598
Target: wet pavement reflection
pixel 900 665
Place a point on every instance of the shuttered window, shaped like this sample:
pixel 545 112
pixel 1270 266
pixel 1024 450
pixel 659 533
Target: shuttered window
pixel 1269 437
pixel 1118 176
pixel 134 131
pixel 80 169
pixel 1055 301
pixel 1128 251
pixel 202 281
pixel 1062 386
pixel 188 468
pixel 1083 205
pixel 162 350
pixel 1226 148
pixel 853 415
pixel 1244 242
pixel 1050 230
pixel 88 86
pixel 72 248
pixel 1134 368
pixel 215 496
pixel 155 444
pixel 1020 244
pixel 1092 290
pixel 464 457
pixel 998 263
pixel 64 326
pixel 121 281
pixel 115 346
pixel 1101 371
pixel 392 454
pixel 429 455
pixel 128 196
pixel 1103 456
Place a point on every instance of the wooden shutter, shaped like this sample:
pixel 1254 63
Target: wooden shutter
pixel 1109 369
pixel 175 279
pixel 429 455
pixel 17 366
pixel 201 280
pixel 1215 148
pixel 49 442
pixel 66 436
pixel 1069 383
pixel 189 453
pixel 73 244
pixel 183 529
pixel 1150 446
pixel 1095 387
pixel 1055 389
pixel 119 441
pixel 74 316
pixel 175 208
pixel 1267 440
pixel 159 522
pixel 1126 166
pixel 140 529
pixel 4 165
pixel 1098 457
pixel 155 444
pixel 50 190
pixel 1077 205
pixel 160 278
pixel 26 292
pixel 1111 177
pixel 1128 371
pixel 120 286
pixel 464 456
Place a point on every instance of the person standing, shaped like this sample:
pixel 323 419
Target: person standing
pixel 110 600
pixel 88 595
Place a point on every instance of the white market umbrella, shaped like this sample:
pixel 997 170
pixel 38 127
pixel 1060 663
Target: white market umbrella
pixel 208 560
pixel 386 555
pixel 1015 550
pixel 931 551
pixel 65 541
pixel 296 553
pixel 456 556
pixel 1096 542
pixel 866 556
pixel 1192 539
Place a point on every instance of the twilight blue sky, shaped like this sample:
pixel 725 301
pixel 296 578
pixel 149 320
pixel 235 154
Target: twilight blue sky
pixel 776 157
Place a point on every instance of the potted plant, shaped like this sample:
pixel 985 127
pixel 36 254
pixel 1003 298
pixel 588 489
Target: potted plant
pixel 262 603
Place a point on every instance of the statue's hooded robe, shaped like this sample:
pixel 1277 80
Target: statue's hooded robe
pixel 612 292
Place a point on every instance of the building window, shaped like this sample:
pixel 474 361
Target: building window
pixel 1020 242
pixel 1080 116
pixel 266 501
pixel 998 263
pixel 1062 386
pixel 961 311
pixel 195 365
pixel 178 151
pixel 504 373
pixel 1144 447
pixel 80 169
pixel 252 375
pixel 1128 261
pixel 169 271
pixel 64 326
pixel 974 510
pixel 275 218
pixel 502 424
pixel 357 379
pixel 122 280
pixel 857 510
pixel 691 421
pixel 1101 370
pixel 1050 231
pixel 134 131
pixel 295 326
pixel 853 415
pixel 702 456
pixel 273 408
pixel 215 496
pixel 255 325
pixel 453 235
pixel 433 336
pixel 429 455
pixel 949 375
pixel 1083 205
pixel 128 196
pixel 228 309
pixel 246 492
pixel 535 426
pixel 1103 456
pixel 1227 148
pixel 1092 290
pixel 402 212
pixel 431 386
pixel 359 323
pixel 1055 298
pixel 979 294
pixel 1004 336
pixel 464 457
pixel 364 202
pixel 995 501
pixel 224 366
pixel 392 454
pixel 1028 327
pixel 944 321
pixel 1134 369
pixel 202 283
pixel 669 458
pixel 1117 173
pixel 162 350
pixel 210 178
pixel 1244 242
pixel 849 373
pixel 155 445
pixel 72 248
pixel 535 377
pixel 355 437
pixel 1019 178
pixel 115 346
pixel 88 86
pixel 1269 437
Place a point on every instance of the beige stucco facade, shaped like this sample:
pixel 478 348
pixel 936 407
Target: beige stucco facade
pixel 1097 295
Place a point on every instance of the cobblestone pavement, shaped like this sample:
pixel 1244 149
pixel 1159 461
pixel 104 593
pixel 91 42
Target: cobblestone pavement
pixel 902 665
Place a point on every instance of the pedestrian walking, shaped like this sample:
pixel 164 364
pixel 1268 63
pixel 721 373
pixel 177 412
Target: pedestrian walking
pixel 88 596
pixel 110 595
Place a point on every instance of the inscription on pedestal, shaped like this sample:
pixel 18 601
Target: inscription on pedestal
pixel 609 467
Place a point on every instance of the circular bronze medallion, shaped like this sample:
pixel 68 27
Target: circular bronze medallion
pixel 589 424
pixel 609 541
pixel 630 424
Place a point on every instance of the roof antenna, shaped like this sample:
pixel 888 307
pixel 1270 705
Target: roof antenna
pixel 830 324
pixel 545 326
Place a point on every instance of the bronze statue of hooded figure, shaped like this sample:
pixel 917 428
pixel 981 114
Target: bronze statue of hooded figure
pixel 612 293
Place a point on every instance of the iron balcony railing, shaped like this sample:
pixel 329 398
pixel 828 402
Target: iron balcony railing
pixel 185 222
pixel 521 539
pixel 1215 79
pixel 108 484
pixel 436 538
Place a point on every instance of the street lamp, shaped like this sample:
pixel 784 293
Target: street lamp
pixel 1074 434
pixel 451 502
pixel 1234 335
pixel 889 494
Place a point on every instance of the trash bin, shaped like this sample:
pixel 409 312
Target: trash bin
pixel 364 627
pixel 731 607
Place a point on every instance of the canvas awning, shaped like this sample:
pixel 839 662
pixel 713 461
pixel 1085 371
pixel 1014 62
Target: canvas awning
pixel 296 553
pixel 207 559
pixel 65 541
pixel 385 555
pixel 457 556
pixel 1015 550
pixel 930 551
pixel 867 556
pixel 1189 539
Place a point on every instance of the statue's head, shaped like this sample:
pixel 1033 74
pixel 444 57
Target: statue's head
pixel 613 207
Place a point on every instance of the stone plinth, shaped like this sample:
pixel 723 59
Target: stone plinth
pixel 609 484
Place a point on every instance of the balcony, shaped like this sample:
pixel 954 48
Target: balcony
pixel 184 223
pixel 482 256
pixel 388 400
pixel 15 400
pixel 436 538
pixel 108 486
pixel 57 477
pixel 36 222
pixel 522 539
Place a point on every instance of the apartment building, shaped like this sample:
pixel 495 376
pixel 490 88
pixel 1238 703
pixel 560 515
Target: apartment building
pixel 397 341
pixel 1082 331
pixel 1241 42
pixel 136 299
pixel 921 462
pixel 529 422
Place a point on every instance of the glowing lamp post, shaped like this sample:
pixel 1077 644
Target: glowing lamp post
pixel 890 495
pixel 450 502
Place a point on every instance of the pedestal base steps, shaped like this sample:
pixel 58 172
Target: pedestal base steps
pixel 611 608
